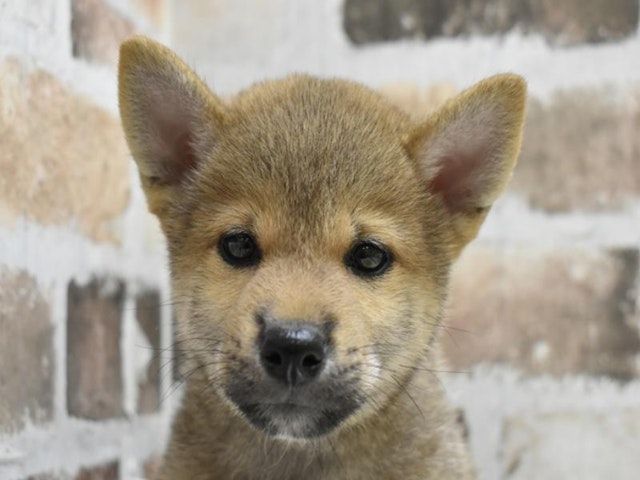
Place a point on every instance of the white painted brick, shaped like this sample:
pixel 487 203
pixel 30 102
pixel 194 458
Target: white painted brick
pixel 38 33
pixel 584 445
pixel 490 396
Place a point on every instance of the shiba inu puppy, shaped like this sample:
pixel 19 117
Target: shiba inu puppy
pixel 311 227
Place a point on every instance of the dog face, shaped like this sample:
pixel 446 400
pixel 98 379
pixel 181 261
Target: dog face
pixel 310 227
pixel 316 280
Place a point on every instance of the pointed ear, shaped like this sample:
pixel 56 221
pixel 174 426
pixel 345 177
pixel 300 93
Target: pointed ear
pixel 467 150
pixel 170 117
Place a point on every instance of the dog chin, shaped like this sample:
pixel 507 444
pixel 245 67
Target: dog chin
pixel 293 422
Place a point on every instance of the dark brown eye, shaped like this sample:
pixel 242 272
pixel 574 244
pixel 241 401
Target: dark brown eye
pixel 239 249
pixel 368 259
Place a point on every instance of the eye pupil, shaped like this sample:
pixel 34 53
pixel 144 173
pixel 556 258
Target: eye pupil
pixel 239 249
pixel 240 246
pixel 368 259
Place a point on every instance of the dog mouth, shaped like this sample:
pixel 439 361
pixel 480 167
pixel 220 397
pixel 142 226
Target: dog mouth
pixel 294 420
pixel 295 413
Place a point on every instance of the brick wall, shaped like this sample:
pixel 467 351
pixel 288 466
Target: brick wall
pixel 544 323
pixel 83 283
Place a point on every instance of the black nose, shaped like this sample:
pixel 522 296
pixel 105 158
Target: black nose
pixel 293 354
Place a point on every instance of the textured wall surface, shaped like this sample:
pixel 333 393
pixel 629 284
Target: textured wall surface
pixel 83 279
pixel 543 317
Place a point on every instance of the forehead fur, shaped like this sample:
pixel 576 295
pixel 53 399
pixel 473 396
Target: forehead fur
pixel 303 142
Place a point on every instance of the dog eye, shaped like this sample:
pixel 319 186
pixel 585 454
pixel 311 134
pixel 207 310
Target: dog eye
pixel 368 259
pixel 239 249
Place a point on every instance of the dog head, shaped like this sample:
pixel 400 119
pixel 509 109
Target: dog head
pixel 311 226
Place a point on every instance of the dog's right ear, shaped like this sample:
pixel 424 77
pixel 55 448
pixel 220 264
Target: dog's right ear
pixel 468 149
pixel 170 117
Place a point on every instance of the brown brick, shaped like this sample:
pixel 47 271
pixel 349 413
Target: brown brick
pixel 148 316
pixel 584 445
pixel 572 22
pixel 109 471
pixel 61 155
pixel 94 377
pixel 566 311
pixel 368 21
pixel 580 151
pixel 26 352
pixel 49 476
pixel 486 17
pixel 565 23
pixel 97 30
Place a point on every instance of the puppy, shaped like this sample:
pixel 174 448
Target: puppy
pixel 311 227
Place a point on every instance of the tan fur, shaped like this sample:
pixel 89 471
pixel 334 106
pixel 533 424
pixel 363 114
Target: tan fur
pixel 308 166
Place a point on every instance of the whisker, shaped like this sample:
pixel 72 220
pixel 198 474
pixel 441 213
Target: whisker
pixel 408 394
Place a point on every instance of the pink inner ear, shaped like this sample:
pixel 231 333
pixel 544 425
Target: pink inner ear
pixel 184 155
pixel 173 153
pixel 459 180
pixel 174 140
pixel 169 119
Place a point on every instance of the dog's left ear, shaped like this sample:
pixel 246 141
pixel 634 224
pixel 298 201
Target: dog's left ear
pixel 467 150
pixel 171 119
